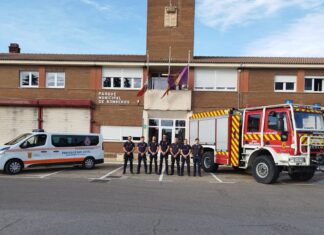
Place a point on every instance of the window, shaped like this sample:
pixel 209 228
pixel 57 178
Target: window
pixel 55 80
pixel 314 84
pixel 121 133
pixel 34 141
pixel 74 140
pixel 273 121
pixel 159 83
pixel 29 79
pixel 309 121
pixel 215 80
pixel 285 83
pixel 253 123
pixel 166 122
pixel 122 78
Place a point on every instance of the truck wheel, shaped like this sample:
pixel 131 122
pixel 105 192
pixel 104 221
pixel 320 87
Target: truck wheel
pixel 88 163
pixel 264 170
pixel 302 176
pixel 208 162
pixel 13 167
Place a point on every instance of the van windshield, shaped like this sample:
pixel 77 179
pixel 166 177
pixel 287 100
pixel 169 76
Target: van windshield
pixel 309 121
pixel 18 139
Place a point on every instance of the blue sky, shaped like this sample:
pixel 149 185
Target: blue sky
pixel 223 27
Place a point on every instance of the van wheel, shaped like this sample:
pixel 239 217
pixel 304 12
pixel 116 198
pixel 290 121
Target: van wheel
pixel 208 162
pixel 88 163
pixel 303 175
pixel 13 167
pixel 264 170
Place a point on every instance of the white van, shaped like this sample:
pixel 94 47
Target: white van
pixel 45 149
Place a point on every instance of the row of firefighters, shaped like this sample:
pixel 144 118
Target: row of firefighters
pixel 178 151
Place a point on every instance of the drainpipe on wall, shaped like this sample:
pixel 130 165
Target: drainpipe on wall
pixel 40 117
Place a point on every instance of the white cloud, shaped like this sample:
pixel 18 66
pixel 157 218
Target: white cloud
pixel 97 5
pixel 225 13
pixel 304 38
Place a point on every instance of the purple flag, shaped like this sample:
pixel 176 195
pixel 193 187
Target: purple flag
pixel 171 83
pixel 183 77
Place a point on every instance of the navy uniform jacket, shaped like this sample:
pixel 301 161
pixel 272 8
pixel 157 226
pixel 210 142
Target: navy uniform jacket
pixel 153 146
pixel 185 148
pixel 129 146
pixel 197 150
pixel 175 148
pixel 164 145
pixel 142 147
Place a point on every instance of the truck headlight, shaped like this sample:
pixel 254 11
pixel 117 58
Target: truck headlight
pixel 297 160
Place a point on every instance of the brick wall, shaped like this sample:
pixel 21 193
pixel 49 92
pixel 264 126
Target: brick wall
pixel 181 38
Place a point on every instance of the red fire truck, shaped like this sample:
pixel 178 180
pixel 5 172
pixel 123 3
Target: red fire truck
pixel 266 140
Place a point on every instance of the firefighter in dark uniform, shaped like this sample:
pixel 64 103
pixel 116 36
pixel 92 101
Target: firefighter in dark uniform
pixel 185 157
pixel 175 156
pixel 142 149
pixel 197 152
pixel 153 150
pixel 164 154
pixel 128 148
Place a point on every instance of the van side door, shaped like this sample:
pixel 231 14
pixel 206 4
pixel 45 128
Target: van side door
pixel 34 150
pixel 66 149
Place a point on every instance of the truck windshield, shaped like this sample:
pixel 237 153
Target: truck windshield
pixel 309 121
pixel 18 139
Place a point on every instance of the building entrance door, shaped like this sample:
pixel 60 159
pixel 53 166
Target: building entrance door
pixel 168 132
pixel 172 128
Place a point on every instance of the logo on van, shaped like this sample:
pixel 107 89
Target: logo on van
pixel 87 141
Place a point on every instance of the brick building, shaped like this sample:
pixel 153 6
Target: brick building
pixel 98 93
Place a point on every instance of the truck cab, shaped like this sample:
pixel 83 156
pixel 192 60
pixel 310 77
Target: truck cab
pixel 287 137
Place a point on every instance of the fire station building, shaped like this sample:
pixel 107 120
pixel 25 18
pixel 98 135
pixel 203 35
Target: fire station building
pixel 98 93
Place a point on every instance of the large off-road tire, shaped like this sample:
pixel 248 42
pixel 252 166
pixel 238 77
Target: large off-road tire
pixel 303 175
pixel 264 170
pixel 207 163
pixel 13 167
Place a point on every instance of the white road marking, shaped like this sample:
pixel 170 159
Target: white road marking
pixel 109 173
pixel 162 174
pixel 219 181
pixel 54 173
pixel 215 177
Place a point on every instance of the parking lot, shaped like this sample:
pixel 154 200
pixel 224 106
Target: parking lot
pixel 71 200
pixel 112 171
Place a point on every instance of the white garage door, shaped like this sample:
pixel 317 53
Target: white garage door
pixel 15 121
pixel 66 120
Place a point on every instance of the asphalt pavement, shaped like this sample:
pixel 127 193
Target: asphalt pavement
pixel 103 201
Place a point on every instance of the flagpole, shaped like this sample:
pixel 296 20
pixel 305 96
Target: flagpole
pixel 169 69
pixel 147 65
pixel 189 58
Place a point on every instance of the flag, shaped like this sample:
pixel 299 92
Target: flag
pixel 183 77
pixel 145 85
pixel 171 85
pixel 142 90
